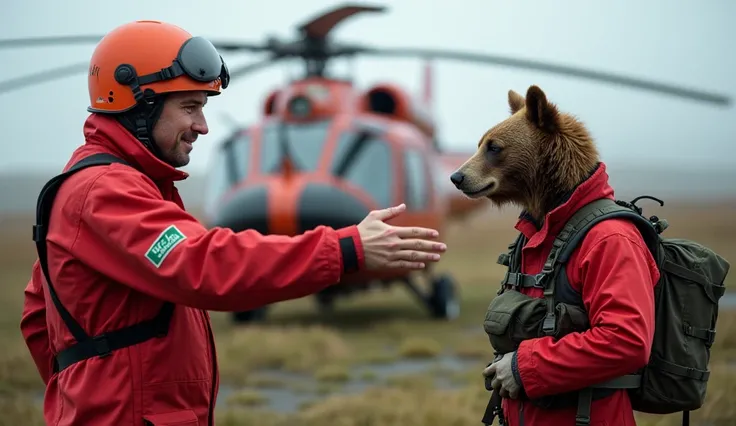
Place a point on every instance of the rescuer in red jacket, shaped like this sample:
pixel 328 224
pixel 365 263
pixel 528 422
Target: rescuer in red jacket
pixel 122 251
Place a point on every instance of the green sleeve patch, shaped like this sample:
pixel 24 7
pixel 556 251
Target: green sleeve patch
pixel 166 241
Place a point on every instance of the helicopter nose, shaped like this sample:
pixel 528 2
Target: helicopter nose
pixel 326 205
pixel 245 209
pixel 457 178
pixel 316 204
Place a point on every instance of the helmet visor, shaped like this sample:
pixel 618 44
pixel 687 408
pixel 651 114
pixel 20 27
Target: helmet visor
pixel 200 60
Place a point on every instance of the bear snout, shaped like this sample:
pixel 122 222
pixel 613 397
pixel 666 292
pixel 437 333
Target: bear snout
pixel 457 178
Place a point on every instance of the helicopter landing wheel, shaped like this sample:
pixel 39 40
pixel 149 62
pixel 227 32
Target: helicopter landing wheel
pixel 443 301
pixel 254 315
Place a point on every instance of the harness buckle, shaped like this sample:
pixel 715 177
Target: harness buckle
pixel 102 345
pixel 539 279
pixel 548 325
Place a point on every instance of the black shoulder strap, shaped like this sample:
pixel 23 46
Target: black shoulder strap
pixel 86 346
pixel 512 261
pixel 40 229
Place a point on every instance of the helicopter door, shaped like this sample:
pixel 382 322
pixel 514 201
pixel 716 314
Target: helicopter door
pixel 416 184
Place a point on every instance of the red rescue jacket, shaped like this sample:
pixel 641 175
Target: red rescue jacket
pixel 103 222
pixel 616 274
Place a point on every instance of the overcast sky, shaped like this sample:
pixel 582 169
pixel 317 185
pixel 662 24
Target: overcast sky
pixel 675 41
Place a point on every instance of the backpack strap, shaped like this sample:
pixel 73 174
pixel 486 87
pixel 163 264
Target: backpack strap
pixel 512 260
pixel 86 346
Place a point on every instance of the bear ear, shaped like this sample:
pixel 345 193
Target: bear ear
pixel 516 102
pixel 539 111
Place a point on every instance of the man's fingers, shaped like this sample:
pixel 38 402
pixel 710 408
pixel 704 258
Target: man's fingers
pixel 415 256
pixel 490 370
pixel 404 264
pixel 388 213
pixel 423 245
pixel 415 232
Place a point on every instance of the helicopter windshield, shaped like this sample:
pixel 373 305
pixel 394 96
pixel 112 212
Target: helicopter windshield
pixel 229 163
pixel 305 141
pixel 370 169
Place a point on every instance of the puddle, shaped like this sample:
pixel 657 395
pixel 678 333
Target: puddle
pixel 297 389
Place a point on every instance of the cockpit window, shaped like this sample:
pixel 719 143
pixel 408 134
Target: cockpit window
pixel 241 155
pixel 219 177
pixel 305 140
pixel 370 168
pixel 415 180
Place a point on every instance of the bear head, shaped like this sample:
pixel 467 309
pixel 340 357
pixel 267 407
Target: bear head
pixel 530 159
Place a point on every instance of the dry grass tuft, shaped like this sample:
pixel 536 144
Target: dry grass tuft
pixel 420 347
pixel 247 398
pixel 332 374
pixel 295 349
pixel 406 406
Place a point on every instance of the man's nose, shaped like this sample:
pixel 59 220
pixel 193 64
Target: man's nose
pixel 457 178
pixel 200 126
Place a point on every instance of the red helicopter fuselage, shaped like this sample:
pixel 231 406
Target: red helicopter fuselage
pixel 326 154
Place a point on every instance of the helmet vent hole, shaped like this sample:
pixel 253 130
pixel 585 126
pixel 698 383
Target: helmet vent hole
pixel 110 99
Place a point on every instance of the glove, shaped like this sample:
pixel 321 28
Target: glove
pixel 503 377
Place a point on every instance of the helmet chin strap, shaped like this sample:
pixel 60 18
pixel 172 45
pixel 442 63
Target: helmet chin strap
pixel 140 120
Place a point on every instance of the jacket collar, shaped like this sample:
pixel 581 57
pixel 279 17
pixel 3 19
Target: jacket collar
pixel 111 136
pixel 596 186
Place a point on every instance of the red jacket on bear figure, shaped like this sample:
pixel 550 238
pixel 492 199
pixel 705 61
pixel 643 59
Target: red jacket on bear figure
pixel 620 304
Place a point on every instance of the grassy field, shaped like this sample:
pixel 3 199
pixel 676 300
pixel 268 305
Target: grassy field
pixel 377 359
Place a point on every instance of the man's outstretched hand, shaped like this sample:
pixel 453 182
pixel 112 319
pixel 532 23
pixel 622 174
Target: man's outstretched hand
pixel 387 246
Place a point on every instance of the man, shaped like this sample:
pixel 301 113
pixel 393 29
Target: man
pixel 123 252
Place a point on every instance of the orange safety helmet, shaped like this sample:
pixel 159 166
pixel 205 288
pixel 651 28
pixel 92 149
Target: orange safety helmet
pixel 143 55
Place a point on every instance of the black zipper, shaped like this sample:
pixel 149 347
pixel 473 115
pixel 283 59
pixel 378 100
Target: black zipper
pixel 211 413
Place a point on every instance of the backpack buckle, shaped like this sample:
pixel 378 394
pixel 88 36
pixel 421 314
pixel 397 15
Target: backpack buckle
pixel 539 279
pixel 548 325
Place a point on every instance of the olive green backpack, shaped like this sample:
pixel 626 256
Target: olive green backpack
pixel 686 310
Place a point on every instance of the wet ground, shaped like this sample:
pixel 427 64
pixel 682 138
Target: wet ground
pixel 288 392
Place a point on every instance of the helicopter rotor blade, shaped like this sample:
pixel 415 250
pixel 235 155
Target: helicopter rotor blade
pixel 252 67
pixel 320 27
pixel 42 77
pixel 49 41
pixel 223 45
pixel 69 70
pixel 229 46
pixel 599 76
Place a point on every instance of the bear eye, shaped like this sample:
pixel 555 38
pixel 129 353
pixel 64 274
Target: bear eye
pixel 493 148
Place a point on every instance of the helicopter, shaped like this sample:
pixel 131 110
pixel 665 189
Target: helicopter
pixel 325 152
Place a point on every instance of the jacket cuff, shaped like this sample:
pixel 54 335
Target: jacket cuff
pixel 515 370
pixel 525 369
pixel 351 249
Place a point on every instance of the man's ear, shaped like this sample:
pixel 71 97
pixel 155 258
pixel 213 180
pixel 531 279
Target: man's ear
pixel 516 102
pixel 542 113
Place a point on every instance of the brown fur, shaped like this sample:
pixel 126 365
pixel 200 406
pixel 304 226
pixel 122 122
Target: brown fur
pixel 544 154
